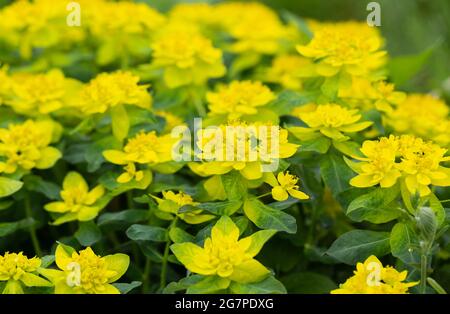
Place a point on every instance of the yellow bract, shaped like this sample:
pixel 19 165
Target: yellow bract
pixel 416 161
pixel 350 47
pixel 187 59
pixel 18 270
pixel 331 120
pixel 239 100
pixel 85 272
pixel 372 278
pixel 78 203
pixel 284 185
pixel 26 146
pixel 224 255
pixel 170 204
pixel 288 71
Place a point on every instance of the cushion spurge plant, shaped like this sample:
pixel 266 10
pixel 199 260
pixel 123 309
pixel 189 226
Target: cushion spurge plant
pixel 220 147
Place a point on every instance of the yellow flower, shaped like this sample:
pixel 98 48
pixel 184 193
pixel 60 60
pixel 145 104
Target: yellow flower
pixel 187 59
pixel 26 146
pixel 130 174
pixel 170 204
pixel 85 272
pixel 109 90
pixel 420 164
pixel 288 70
pixel 422 115
pixel 284 185
pixel 254 147
pixel 18 270
pixel 371 277
pixel 34 94
pixel 350 47
pixel 78 203
pixel 366 95
pixel 224 255
pixel 330 120
pixel 378 167
pixel 202 14
pixel 239 100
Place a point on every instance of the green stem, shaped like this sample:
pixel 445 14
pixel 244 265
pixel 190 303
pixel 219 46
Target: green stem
pixel 34 239
pixel 436 286
pixel 265 194
pixel 130 203
pixel 423 273
pixel 146 275
pixel 162 283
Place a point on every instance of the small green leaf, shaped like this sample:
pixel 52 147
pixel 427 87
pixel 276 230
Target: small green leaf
pixel 267 286
pixel 129 216
pixel 210 284
pixel 308 283
pixel 146 233
pixel 124 288
pixel 178 235
pixel 9 186
pixel 120 122
pixel 438 209
pixel 226 208
pixel 234 185
pixel 88 233
pixel 7 228
pixel 357 245
pixel 335 173
pixel 405 244
pixel 320 145
pixel 266 217
pixel 37 184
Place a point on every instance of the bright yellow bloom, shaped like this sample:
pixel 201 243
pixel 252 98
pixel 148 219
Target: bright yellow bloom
pixel 255 145
pixel 78 203
pixel 85 272
pixel 422 115
pixel 202 14
pixel 130 174
pixel 351 47
pixel 18 270
pixel 364 94
pixel 187 59
pixel 171 203
pixel 378 167
pixel 34 94
pixel 109 90
pixel 417 161
pixel 288 70
pixel 284 185
pixel 371 277
pixel 239 100
pixel 330 120
pixel 224 255
pixel 26 146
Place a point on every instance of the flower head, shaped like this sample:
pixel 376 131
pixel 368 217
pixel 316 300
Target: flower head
pixel 351 47
pixel 238 100
pixel 371 277
pixel 26 146
pixel 171 203
pixel 224 255
pixel 78 203
pixel 332 121
pixel 84 272
pixel 18 271
pixel 187 59
pixel 284 185
pixel 288 70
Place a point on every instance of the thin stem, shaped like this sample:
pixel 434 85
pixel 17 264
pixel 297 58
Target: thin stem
pixel 262 195
pixel 423 273
pixel 34 239
pixel 130 203
pixel 146 275
pixel 166 256
pixel 433 283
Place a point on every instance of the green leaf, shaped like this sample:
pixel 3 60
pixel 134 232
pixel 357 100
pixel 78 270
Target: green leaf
pixel 37 184
pixel 120 122
pixel 178 235
pixel 403 68
pixel 335 173
pixel 438 209
pixel 7 228
pixel 129 216
pixel 9 186
pixel 88 233
pixel 377 206
pixel 146 233
pixel 6 204
pixel 124 288
pixel 210 284
pixel 94 152
pixel 234 185
pixel 47 260
pixel 108 180
pixel 288 100
pixel 267 286
pixel 348 148
pixel 320 145
pixel 427 223
pixel 308 283
pixel 182 284
pixel 405 244
pixel 357 245
pixel 226 208
pixel 266 217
